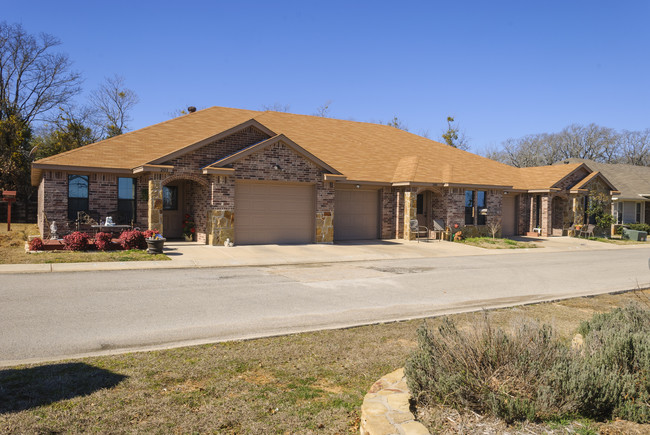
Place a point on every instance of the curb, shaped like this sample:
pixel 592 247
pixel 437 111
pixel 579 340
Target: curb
pixel 386 408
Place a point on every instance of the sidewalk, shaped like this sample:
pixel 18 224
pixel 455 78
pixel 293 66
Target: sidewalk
pixel 193 255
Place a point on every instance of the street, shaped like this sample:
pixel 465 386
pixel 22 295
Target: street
pixel 56 315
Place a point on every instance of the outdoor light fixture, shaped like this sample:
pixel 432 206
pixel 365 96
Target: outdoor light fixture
pixel 276 167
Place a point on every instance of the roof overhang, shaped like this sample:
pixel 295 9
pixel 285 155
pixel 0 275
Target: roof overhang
pixel 334 177
pixel 218 171
pixel 153 168
pixel 38 168
pixel 480 186
pixel 266 143
pixel 551 190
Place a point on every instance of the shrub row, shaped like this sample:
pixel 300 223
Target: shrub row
pixel 532 375
pixel 78 241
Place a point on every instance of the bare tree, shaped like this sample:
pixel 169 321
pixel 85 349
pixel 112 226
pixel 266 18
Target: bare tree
pixel 494 226
pixel 323 110
pixel 276 107
pixel 635 147
pixel 33 78
pixel 113 101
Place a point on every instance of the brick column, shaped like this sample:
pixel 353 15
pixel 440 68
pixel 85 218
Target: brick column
pixel 410 212
pixel 155 203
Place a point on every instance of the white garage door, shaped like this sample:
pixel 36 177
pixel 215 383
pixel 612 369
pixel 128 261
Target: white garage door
pixel 508 227
pixel 274 213
pixel 356 214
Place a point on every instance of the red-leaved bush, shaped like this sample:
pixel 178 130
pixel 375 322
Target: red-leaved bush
pixel 133 240
pixel 103 241
pixel 148 234
pixel 36 244
pixel 76 241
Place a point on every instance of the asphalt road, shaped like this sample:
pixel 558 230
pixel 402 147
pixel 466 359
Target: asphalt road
pixel 57 315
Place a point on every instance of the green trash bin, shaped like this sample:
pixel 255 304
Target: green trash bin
pixel 637 236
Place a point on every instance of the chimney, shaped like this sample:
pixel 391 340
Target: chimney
pixel 191 109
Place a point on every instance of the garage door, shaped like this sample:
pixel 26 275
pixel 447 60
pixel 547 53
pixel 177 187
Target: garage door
pixel 508 216
pixel 356 214
pixel 274 213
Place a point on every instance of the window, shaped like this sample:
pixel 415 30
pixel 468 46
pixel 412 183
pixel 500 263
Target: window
pixel 420 204
pixel 638 213
pixel 475 207
pixel 619 212
pixel 170 197
pixel 77 195
pixel 126 200
pixel 481 205
pixel 538 211
pixel 469 207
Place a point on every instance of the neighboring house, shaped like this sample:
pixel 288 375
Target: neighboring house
pixel 632 204
pixel 269 177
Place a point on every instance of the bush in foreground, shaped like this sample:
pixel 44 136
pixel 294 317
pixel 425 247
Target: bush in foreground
pixel 532 375
pixel 36 244
pixel 103 241
pixel 76 241
pixel 133 239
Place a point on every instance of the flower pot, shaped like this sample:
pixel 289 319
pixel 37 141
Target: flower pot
pixel 155 246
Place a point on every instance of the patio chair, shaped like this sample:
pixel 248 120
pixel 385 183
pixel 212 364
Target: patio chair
pixel 438 229
pixel 419 230
pixel 588 230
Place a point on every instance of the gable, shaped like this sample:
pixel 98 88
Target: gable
pixel 218 149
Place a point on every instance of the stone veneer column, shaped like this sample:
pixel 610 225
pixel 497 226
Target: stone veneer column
pixel 410 212
pixel 155 203
pixel 324 227
pixel 220 226
pixel 546 215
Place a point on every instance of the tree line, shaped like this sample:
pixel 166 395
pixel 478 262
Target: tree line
pixel 39 113
pixel 592 142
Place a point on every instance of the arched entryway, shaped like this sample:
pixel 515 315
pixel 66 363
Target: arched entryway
pixel 185 197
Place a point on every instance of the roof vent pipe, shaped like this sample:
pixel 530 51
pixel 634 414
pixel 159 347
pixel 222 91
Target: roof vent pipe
pixel 191 109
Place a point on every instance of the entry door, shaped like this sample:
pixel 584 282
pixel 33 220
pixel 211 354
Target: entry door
pixel 173 211
pixel 508 213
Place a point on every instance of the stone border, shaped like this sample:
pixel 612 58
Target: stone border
pixel 386 408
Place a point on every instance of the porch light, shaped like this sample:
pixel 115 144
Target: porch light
pixel 358 186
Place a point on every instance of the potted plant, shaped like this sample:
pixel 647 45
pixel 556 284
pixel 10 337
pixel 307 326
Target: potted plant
pixel 155 243
pixel 189 228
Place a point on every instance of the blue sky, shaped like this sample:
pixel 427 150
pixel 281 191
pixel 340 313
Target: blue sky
pixel 503 69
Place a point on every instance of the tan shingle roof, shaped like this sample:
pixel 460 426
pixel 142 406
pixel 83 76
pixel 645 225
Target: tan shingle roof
pixel 630 180
pixel 545 177
pixel 360 151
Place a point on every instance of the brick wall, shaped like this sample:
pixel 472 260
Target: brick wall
pixel 572 179
pixel 192 162
pixel 54 188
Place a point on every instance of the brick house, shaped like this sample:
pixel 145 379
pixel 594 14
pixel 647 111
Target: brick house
pixel 269 177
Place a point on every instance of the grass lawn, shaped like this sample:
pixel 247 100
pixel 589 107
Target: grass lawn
pixel 617 241
pixel 490 243
pixel 12 250
pixel 303 383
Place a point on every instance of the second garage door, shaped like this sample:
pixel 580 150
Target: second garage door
pixel 356 214
pixel 274 213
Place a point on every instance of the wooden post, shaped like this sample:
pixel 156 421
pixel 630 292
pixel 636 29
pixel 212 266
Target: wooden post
pixel 9 196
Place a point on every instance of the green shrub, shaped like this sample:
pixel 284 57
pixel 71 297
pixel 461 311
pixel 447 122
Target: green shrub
pixel 531 375
pixel 489 371
pixel 611 379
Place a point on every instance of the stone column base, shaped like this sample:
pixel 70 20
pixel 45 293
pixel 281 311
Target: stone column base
pixel 220 226
pixel 325 227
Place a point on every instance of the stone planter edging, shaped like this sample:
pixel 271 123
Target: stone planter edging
pixel 386 408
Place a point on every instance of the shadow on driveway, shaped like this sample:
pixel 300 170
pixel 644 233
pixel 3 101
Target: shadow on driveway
pixel 23 389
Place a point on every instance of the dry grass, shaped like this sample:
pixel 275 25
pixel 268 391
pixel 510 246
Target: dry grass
pixel 617 241
pixel 12 250
pixel 304 383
